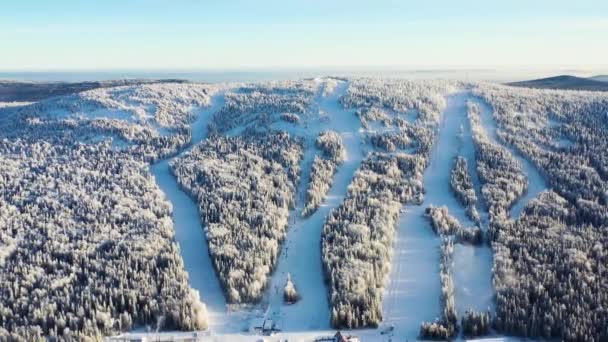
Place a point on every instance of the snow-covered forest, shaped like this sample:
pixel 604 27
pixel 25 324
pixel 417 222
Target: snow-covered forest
pixel 358 235
pixel 462 185
pixel 323 169
pixel 86 245
pixel 88 237
pixel 550 261
pixel 501 174
pixel 244 187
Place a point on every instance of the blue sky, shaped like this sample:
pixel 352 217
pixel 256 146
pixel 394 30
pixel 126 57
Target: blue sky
pixel 272 34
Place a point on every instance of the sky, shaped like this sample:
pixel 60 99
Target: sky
pixel 298 34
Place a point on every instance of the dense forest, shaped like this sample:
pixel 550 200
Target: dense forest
pixel 260 104
pixel 87 245
pixel 148 122
pixel 500 173
pixel 444 224
pixel 323 169
pixel 462 187
pixel 86 237
pixel 549 263
pixel 244 187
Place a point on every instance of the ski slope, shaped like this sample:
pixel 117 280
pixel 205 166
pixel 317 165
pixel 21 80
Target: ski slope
pixel 189 232
pixel 301 254
pixel 413 290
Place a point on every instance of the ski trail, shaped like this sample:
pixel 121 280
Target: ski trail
pixel 412 294
pixel 413 290
pixel 472 264
pixel 189 232
pixel 536 182
pixel 301 255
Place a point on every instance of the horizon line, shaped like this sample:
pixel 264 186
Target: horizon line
pixel 370 68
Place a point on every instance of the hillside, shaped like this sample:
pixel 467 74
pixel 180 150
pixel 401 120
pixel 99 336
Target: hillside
pixel 601 78
pixel 565 82
pixel 11 91
pixel 300 207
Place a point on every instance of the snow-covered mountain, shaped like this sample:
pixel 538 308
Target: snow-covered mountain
pixel 601 78
pixel 13 91
pixel 298 207
pixel 565 82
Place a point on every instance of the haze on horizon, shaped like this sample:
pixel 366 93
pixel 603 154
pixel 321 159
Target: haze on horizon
pixel 270 34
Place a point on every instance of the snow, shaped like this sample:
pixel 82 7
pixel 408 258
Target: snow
pixel 118 143
pixel 413 289
pixel 14 104
pixel 411 115
pixel 367 335
pixel 564 143
pixel 446 148
pixel 301 255
pixel 536 182
pixel 473 278
pixel 201 123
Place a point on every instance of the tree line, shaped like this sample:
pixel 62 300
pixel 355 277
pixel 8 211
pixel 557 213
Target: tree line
pixel 323 169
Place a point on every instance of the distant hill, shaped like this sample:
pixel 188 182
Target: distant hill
pixel 563 82
pixel 601 78
pixel 11 91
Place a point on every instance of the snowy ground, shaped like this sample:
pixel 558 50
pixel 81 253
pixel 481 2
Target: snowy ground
pixel 366 335
pixel 412 292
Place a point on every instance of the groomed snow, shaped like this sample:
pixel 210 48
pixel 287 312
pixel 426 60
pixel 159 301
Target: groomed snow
pixel 473 278
pixel 14 104
pixel 366 335
pixel 413 289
